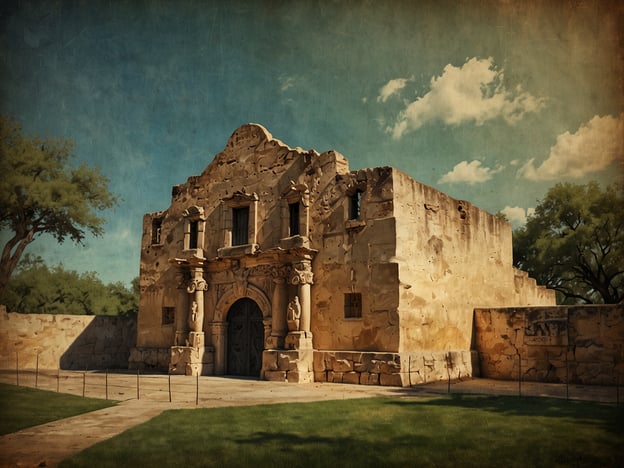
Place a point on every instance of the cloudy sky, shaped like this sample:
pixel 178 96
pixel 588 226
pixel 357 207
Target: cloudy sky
pixel 489 101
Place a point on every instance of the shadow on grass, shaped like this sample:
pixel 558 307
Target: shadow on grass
pixel 609 416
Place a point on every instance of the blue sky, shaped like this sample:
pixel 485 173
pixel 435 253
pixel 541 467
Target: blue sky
pixel 489 101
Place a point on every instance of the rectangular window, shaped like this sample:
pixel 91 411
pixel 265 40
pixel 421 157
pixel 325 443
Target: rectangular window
pixel 194 231
pixel 156 230
pixel 293 210
pixel 240 226
pixel 353 305
pixel 354 205
pixel 168 315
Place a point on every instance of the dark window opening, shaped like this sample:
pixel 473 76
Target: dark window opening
pixel 240 226
pixel 353 305
pixel 355 205
pixel 168 315
pixel 194 231
pixel 293 209
pixel 156 230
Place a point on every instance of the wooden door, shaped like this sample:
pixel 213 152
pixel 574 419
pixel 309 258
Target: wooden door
pixel 245 339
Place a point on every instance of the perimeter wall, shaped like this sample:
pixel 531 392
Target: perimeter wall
pixel 577 344
pixel 65 341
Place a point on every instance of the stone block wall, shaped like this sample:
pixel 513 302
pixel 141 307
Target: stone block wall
pixel 392 369
pixel 65 341
pixel 149 359
pixel 575 344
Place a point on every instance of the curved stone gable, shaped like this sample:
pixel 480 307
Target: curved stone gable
pixel 253 150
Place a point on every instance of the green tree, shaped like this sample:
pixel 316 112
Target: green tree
pixel 35 288
pixel 41 192
pixel 574 243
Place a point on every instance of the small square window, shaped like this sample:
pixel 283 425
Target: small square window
pixel 168 315
pixel 353 305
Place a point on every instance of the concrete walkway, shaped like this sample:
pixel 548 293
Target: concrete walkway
pixel 48 444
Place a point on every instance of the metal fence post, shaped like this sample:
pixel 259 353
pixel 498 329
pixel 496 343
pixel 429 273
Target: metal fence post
pixel 169 378
pixel 37 371
pixel 519 374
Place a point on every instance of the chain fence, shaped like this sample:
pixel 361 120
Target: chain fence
pixel 122 384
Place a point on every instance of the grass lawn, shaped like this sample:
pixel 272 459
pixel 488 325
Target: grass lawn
pixel 22 407
pixel 442 431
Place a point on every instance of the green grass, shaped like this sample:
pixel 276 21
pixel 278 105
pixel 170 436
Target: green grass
pixel 22 407
pixel 444 431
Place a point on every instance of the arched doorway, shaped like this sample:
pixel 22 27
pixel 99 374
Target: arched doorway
pixel 245 338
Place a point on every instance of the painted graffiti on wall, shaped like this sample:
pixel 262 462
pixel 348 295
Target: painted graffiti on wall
pixel 546 327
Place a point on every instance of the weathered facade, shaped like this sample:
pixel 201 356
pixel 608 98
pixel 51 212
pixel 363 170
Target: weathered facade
pixel 284 264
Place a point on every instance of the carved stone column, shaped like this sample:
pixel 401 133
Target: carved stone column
pixel 302 276
pixel 278 308
pixel 196 288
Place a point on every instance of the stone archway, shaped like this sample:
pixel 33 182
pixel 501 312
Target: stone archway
pixel 245 340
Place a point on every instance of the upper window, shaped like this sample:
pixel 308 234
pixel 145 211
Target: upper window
pixel 194 226
pixel 193 234
pixel 353 305
pixel 240 225
pixel 156 230
pixel 293 211
pixel 355 205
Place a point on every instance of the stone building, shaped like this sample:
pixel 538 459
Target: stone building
pixel 283 264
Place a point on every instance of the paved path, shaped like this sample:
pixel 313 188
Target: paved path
pixel 48 444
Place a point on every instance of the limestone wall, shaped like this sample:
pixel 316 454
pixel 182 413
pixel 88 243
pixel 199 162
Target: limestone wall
pixel 65 341
pixel 392 369
pixel 452 257
pixel 578 344
pixel 370 368
pixel 356 256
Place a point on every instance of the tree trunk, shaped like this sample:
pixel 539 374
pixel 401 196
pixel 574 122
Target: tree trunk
pixel 9 260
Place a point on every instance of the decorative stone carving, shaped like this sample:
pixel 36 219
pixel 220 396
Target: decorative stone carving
pixel 196 285
pixel 293 315
pixel 301 274
pixel 195 319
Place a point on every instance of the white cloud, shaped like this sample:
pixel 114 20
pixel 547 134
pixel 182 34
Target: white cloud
pixel 286 82
pixel 592 148
pixel 391 87
pixel 473 92
pixel 470 172
pixel 517 215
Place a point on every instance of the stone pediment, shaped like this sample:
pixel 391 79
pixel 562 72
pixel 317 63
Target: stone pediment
pixel 252 149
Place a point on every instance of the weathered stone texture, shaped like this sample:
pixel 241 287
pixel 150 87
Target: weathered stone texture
pixel 392 369
pixel 577 344
pixel 455 257
pixel 269 223
pixel 65 341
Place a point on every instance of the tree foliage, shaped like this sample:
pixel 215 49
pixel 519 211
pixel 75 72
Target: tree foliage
pixel 41 192
pixel 35 288
pixel 574 243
